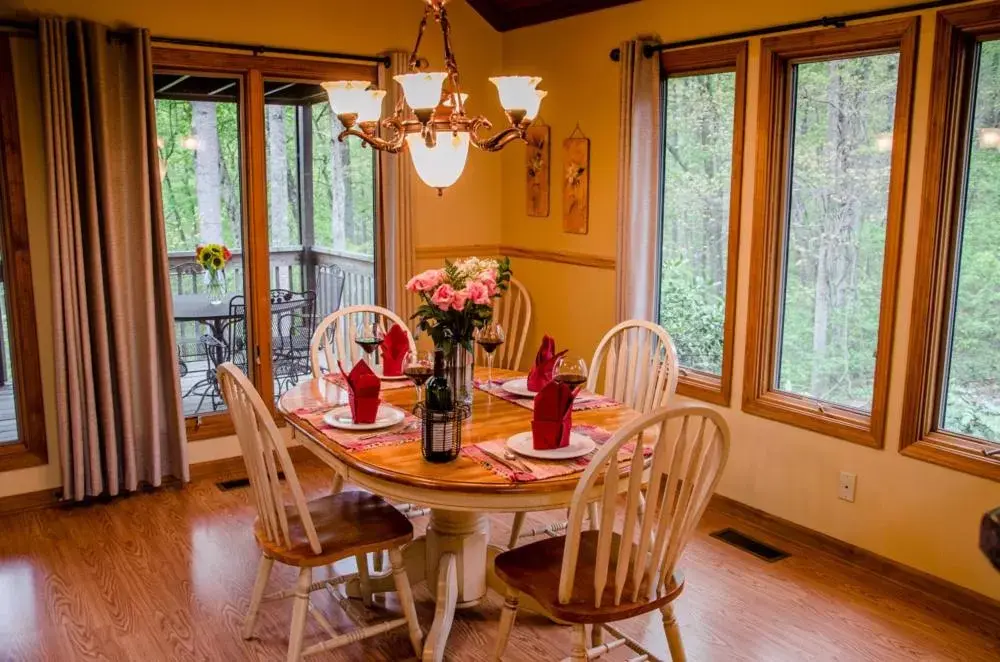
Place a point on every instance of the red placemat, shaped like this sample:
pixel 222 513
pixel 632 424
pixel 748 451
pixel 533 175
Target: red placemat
pixel 387 384
pixel 312 410
pixel 542 469
pixel 589 401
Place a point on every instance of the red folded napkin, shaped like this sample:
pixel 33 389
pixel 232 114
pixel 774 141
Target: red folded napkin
pixel 553 416
pixel 395 345
pixel 363 388
pixel 545 364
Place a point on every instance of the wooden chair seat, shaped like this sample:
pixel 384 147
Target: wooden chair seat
pixel 534 570
pixel 347 524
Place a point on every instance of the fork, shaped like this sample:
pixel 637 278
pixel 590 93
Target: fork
pixel 406 428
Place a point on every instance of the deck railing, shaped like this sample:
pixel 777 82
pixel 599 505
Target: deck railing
pixel 296 268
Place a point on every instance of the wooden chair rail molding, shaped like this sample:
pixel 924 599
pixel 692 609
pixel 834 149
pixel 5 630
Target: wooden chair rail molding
pixel 576 259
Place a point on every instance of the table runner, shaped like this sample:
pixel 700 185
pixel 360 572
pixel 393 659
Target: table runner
pixel 542 469
pixel 593 401
pixel 312 410
pixel 387 384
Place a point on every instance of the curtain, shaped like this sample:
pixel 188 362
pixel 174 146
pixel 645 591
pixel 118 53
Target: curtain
pixel 120 421
pixel 396 204
pixel 639 162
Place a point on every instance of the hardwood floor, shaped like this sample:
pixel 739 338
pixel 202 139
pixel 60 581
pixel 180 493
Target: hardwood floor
pixel 167 576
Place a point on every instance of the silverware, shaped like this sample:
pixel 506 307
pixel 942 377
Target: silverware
pixel 511 457
pixel 509 465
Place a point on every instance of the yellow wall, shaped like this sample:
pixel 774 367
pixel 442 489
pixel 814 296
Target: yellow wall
pixel 913 512
pixel 469 213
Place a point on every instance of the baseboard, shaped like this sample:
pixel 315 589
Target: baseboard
pixel 978 605
pixel 228 468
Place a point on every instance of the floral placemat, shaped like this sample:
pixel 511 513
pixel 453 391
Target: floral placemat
pixel 312 410
pixel 587 402
pixel 526 469
pixel 337 379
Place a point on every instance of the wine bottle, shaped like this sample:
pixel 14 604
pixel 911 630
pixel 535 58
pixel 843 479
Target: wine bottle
pixel 439 421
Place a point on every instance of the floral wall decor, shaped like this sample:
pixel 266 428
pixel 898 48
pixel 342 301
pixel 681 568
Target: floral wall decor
pixel 576 182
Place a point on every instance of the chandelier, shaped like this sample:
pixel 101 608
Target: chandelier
pixel 429 120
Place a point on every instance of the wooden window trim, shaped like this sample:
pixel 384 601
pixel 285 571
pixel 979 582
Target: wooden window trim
pixel 715 58
pixel 30 449
pixel 252 70
pixel 760 398
pixel 956 34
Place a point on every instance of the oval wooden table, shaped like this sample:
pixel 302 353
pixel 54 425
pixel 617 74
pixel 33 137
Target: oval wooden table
pixel 454 555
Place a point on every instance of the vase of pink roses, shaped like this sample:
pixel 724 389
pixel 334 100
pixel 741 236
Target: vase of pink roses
pixel 454 302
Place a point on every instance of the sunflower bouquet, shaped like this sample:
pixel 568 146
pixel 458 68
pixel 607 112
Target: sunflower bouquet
pixel 212 256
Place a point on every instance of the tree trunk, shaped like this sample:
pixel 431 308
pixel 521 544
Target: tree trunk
pixel 208 178
pixel 338 188
pixel 277 177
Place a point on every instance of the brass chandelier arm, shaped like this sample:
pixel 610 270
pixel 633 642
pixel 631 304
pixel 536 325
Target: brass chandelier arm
pixel 499 140
pixel 393 147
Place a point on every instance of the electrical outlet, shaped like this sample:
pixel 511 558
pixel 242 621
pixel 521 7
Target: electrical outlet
pixel 848 482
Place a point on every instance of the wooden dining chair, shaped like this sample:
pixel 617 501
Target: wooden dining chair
pixel 306 534
pixel 636 364
pixel 334 337
pixel 627 567
pixel 513 312
pixel 639 370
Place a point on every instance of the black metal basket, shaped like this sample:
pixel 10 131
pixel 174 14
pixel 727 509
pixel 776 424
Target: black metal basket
pixel 441 432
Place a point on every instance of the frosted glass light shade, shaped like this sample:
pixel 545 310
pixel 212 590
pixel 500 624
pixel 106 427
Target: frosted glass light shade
pixel 450 101
pixel 516 92
pixel 422 90
pixel 370 109
pixel 439 166
pixel 532 112
pixel 346 96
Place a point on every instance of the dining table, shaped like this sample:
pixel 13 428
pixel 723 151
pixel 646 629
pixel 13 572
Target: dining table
pixel 455 555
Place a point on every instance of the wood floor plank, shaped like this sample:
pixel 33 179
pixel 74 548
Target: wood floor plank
pixel 167 576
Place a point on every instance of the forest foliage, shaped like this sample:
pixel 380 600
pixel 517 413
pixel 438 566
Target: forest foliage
pixel 835 235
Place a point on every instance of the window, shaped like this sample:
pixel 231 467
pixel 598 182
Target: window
pixel 833 138
pixel 22 422
pixel 952 407
pixel 703 99
pixel 250 158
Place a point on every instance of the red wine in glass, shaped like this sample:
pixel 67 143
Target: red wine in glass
pixel 368 344
pixel 418 374
pixel 571 380
pixel 490 346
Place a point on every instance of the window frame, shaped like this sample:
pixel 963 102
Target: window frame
pixel 778 54
pixel 957 35
pixel 252 70
pixel 30 449
pixel 714 58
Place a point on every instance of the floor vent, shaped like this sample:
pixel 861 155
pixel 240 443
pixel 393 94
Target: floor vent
pixel 750 545
pixel 237 483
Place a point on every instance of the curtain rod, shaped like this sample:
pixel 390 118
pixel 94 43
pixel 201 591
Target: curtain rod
pixel 838 21
pixel 256 49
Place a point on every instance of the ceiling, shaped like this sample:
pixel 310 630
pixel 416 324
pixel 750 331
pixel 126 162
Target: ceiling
pixel 506 15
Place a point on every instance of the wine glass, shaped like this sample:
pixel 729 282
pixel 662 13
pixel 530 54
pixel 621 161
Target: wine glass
pixel 369 336
pixel 489 337
pixel 571 371
pixel 419 366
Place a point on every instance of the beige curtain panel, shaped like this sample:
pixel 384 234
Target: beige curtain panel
pixel 639 163
pixel 396 202
pixel 117 395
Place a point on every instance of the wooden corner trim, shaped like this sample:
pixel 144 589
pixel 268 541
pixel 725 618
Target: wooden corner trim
pixel 562 257
pixel 978 606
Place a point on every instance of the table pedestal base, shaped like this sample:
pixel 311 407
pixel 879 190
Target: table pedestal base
pixel 456 560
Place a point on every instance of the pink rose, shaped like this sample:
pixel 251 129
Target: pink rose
pixel 478 293
pixel 426 281
pixel 489 281
pixel 444 296
pixel 459 300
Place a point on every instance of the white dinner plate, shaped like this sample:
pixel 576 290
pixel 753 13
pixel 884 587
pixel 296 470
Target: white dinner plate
pixel 386 417
pixel 579 445
pixel 519 387
pixel 378 372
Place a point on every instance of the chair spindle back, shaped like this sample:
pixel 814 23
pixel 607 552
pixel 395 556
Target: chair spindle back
pixel 260 444
pixel 639 365
pixel 334 337
pixel 637 555
pixel 512 312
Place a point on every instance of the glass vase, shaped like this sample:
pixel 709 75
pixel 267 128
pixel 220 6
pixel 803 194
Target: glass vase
pixel 458 368
pixel 215 286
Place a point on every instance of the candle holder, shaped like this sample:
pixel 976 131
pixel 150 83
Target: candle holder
pixel 441 432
